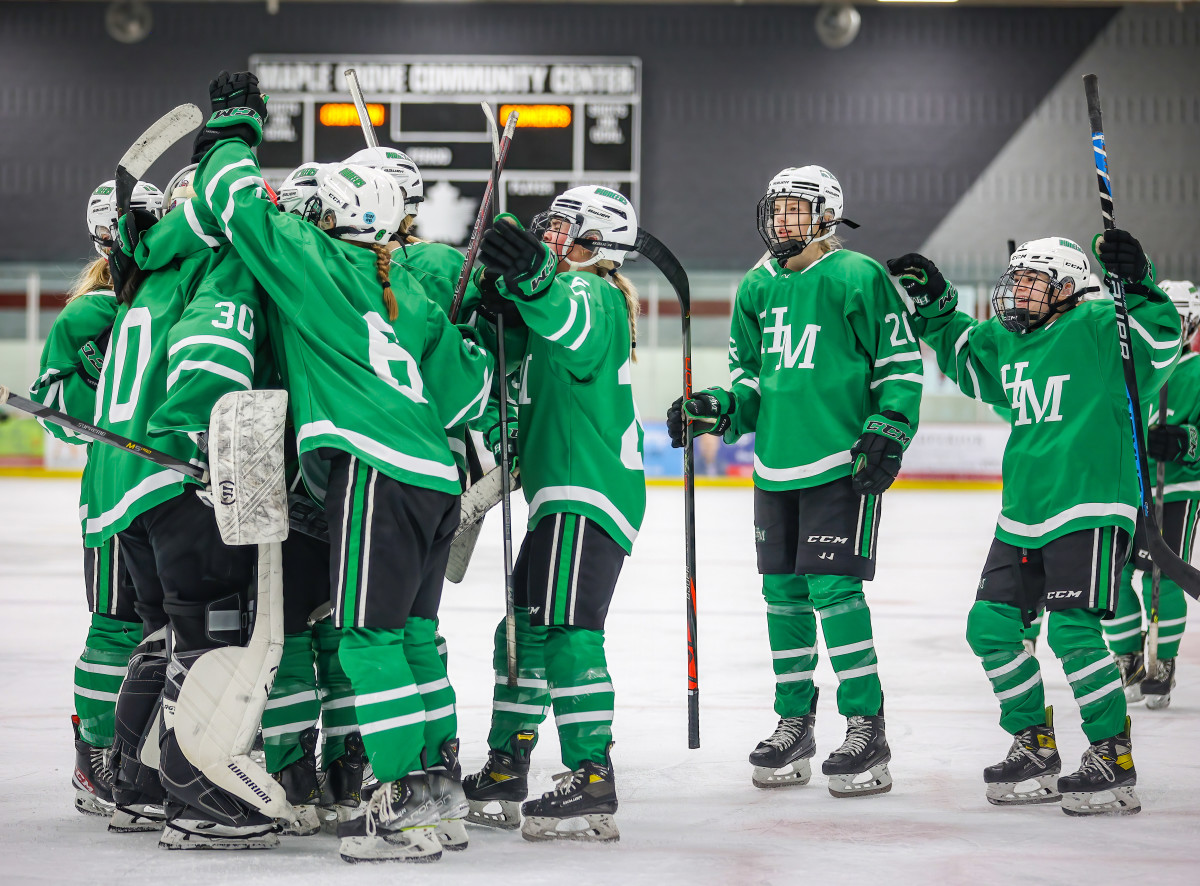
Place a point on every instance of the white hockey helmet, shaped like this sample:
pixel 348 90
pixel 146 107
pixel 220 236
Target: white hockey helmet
pixel 1186 298
pixel 1024 302
pixel 179 188
pixel 814 184
pixel 300 186
pixel 357 203
pixel 401 167
pixel 599 219
pixel 102 210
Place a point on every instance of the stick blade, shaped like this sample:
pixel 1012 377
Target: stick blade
pixel 154 142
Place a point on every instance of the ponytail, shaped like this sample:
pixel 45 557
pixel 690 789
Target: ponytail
pixel 633 304
pixel 95 275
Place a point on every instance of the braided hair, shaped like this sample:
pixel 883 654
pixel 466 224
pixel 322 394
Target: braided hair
pixel 383 264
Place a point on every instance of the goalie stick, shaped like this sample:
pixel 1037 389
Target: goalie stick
pixel 1183 574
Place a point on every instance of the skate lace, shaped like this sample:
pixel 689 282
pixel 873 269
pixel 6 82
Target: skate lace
pixel 1093 762
pixel 1021 750
pixel 568 781
pixel 858 734
pixel 788 730
pixel 379 807
pixel 100 767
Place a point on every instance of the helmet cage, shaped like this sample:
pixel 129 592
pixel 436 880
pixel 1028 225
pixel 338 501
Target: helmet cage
pixel 1046 288
pixel 782 248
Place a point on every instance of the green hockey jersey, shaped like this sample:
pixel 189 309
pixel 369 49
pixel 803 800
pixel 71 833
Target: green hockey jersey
pixel 579 434
pixel 192 334
pixel 812 355
pixel 1183 408
pixel 1068 464
pixel 386 391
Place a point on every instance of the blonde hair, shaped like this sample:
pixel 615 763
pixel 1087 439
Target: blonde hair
pixel 633 302
pixel 405 226
pixel 383 265
pixel 95 275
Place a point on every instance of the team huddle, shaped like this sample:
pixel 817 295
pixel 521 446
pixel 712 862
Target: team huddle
pixel 216 285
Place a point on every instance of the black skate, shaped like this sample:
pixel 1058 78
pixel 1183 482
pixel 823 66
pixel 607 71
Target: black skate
pixel 343 784
pixel 1032 757
pixel 1157 687
pixel 1133 671
pixel 299 780
pixel 398 822
pixel 865 751
pixel 1105 780
pixel 445 783
pixel 581 807
pixel 188 828
pixel 790 745
pixel 502 781
pixel 92 779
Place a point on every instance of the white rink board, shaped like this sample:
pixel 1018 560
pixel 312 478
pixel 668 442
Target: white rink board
pixel 687 817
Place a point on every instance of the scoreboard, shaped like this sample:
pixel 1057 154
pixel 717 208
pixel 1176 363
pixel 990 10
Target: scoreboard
pixel 579 123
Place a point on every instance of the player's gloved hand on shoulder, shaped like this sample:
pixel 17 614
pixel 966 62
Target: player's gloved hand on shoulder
pixel 1177 443
pixel 710 412
pixel 525 262
pixel 493 302
pixel 238 111
pixel 875 457
pixel 492 438
pixel 1122 256
pixel 932 295
pixel 121 265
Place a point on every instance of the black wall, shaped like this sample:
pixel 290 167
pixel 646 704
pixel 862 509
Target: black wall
pixel 907 116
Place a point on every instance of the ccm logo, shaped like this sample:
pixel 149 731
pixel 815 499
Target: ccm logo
pixel 827 539
pixel 1063 595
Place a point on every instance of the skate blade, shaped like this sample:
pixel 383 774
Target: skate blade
pixel 507 819
pixel 89 804
pixel 1158 702
pixel 878 781
pixel 175 839
pixel 1124 802
pixel 452 833
pixel 596 828
pixel 1005 793
pixel 308 822
pixel 796 774
pixel 414 845
pixel 131 821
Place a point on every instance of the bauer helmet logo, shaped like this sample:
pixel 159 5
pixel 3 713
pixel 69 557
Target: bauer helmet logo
pixel 351 176
pixel 228 493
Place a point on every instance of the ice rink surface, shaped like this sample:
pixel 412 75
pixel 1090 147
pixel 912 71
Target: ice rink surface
pixel 689 817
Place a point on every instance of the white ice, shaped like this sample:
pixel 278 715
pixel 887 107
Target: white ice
pixel 688 817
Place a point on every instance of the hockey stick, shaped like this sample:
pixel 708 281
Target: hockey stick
pixel 150 145
pixel 364 116
pixel 499 158
pixel 510 611
pixel 662 258
pixel 1183 574
pixel 1155 572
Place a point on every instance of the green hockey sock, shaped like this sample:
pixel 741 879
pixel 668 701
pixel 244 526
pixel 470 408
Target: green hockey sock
pixel 1075 637
pixel 292 705
pixel 391 718
pixel 792 632
pixel 437 695
pixel 582 693
pixel 1124 631
pixel 524 708
pixel 98 675
pixel 337 695
pixel 846 626
pixel 1172 613
pixel 994 633
pixel 443 654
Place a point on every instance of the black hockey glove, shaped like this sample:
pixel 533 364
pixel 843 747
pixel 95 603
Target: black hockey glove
pixel 493 302
pixel 875 457
pixel 525 262
pixel 710 412
pixel 1122 256
pixel 238 111
pixel 125 273
pixel 492 437
pixel 921 279
pixel 91 358
pixel 1177 443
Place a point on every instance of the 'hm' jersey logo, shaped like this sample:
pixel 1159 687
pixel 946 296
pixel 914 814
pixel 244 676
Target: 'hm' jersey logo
pixel 799 357
pixel 1024 396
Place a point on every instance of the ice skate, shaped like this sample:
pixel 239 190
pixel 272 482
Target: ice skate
pixel 445 783
pixel 581 807
pixel 192 829
pixel 92 779
pixel 1133 671
pixel 1033 757
pixel 136 818
pixel 397 822
pixel 299 780
pixel 494 794
pixel 1157 687
pixel 864 752
pixel 789 748
pixel 343 784
pixel 1104 783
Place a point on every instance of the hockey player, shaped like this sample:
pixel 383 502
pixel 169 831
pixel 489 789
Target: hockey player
pixel 1176 441
pixel 584 513
pixel 70 367
pixel 376 373
pixel 1064 527
pixel 818 332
